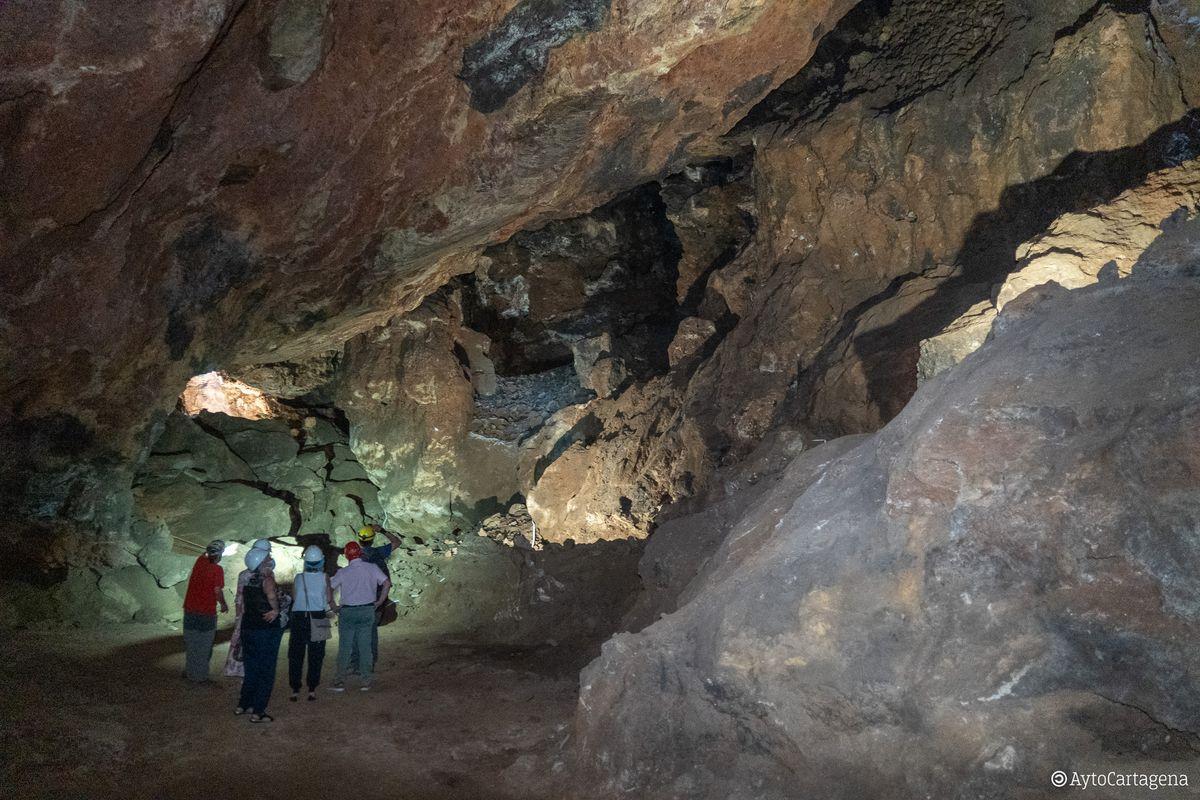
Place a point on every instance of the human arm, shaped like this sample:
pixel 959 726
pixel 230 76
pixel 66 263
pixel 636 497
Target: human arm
pixel 385 587
pixel 237 598
pixel 269 590
pixel 392 538
pixel 219 590
pixel 329 601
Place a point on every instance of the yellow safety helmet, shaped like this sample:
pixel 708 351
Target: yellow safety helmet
pixel 366 534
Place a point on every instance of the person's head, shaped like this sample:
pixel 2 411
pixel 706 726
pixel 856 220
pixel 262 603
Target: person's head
pixel 214 551
pixel 255 559
pixel 352 551
pixel 261 544
pixel 366 535
pixel 314 559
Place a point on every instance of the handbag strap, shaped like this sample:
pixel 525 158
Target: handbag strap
pixel 304 586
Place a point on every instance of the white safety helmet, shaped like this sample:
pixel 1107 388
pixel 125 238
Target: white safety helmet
pixel 255 558
pixel 261 544
pixel 313 554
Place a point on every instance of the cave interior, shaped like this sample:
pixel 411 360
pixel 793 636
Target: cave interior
pixel 777 399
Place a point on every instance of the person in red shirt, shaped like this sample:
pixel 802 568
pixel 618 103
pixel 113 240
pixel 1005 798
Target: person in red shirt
pixel 206 589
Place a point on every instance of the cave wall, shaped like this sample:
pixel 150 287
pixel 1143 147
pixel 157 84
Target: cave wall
pixel 998 584
pixel 902 205
pixel 890 199
pixel 224 183
pixel 592 279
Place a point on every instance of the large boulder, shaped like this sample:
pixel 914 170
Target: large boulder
pixel 1001 583
pixel 198 513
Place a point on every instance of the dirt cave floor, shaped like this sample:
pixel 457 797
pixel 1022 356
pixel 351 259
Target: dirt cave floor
pixel 106 713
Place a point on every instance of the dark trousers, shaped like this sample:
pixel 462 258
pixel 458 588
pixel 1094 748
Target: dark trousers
pixel 260 651
pixel 199 631
pixel 299 643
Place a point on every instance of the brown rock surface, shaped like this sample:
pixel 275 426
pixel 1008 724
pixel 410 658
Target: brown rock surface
pixel 410 404
pixel 891 195
pixel 222 183
pixel 277 189
pixel 985 591
pixel 1062 111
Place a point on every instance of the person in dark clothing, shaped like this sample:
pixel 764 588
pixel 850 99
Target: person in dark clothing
pixel 262 630
pixel 379 557
pixel 313 600
pixel 205 591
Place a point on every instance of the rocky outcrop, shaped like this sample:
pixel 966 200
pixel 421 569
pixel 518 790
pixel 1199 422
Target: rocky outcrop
pixel 892 205
pixel 217 184
pixel 212 476
pixel 1155 224
pixel 408 393
pixel 598 285
pixel 998 584
pixel 890 199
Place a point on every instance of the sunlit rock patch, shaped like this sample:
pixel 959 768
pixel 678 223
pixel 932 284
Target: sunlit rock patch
pixel 217 393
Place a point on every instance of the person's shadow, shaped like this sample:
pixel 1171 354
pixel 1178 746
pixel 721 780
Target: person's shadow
pixel 149 656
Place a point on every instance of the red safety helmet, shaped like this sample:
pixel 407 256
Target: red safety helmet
pixel 352 550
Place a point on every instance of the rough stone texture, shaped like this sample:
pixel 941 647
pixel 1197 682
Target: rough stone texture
pixel 296 41
pixel 1065 110
pixel 979 594
pixel 682 548
pixel 220 394
pixel 691 336
pixel 410 403
pixel 711 210
pixel 292 379
pixel 615 465
pixel 608 274
pixel 293 178
pixel 1106 242
pixel 208 477
pixel 957 341
pixel 884 211
pixel 170 208
pixel 1153 224
pixel 517 50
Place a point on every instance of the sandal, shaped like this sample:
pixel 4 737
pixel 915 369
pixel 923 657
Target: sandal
pixel 261 718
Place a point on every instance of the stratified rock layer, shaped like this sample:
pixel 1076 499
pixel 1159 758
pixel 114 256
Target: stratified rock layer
pixel 1000 583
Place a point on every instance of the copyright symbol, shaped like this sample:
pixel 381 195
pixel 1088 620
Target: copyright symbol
pixel 1058 778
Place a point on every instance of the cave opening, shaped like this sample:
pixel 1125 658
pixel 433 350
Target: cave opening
pixel 754 400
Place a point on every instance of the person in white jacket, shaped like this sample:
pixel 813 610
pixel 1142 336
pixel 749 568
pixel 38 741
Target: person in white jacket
pixel 312 600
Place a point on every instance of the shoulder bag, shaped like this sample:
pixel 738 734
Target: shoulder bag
pixel 320 629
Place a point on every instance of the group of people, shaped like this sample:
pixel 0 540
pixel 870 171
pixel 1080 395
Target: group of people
pixel 355 594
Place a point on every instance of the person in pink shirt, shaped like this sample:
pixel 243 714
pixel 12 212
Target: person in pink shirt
pixel 362 588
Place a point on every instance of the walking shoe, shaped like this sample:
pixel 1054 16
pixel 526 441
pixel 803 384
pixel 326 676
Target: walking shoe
pixel 366 687
pixel 312 695
pixel 294 696
pixel 338 687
